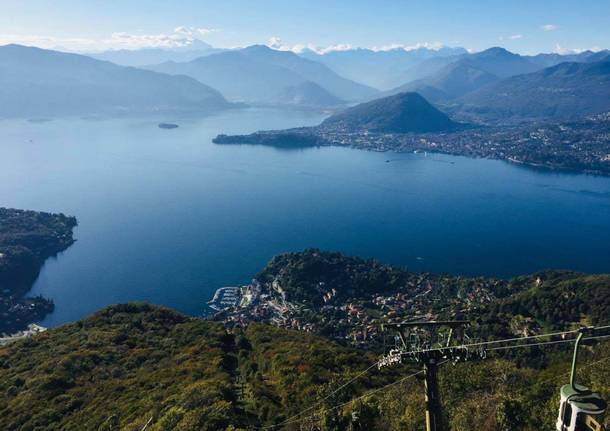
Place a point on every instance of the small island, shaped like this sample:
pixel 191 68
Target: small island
pixel 27 240
pixel 167 126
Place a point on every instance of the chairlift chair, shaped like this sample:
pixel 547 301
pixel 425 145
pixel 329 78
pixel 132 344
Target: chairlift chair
pixel 580 408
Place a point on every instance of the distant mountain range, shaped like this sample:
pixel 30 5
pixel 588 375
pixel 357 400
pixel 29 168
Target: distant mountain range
pixel 259 74
pixel 474 71
pixel 38 82
pixel 453 80
pixel 492 85
pixel 394 69
pixel 567 90
pixel 455 76
pixel 146 56
pixel 382 69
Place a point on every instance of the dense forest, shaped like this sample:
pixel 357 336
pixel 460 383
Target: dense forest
pixel 134 364
pixel 27 239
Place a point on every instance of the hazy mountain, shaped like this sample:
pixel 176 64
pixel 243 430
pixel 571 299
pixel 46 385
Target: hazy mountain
pixel 598 56
pixel 563 91
pixel 37 82
pixel 146 56
pixel 494 61
pixel 426 68
pixel 259 74
pixel 553 59
pixel 443 79
pixel 454 80
pixel 405 112
pixel 341 87
pixel 379 69
pixel 308 94
pixel 500 62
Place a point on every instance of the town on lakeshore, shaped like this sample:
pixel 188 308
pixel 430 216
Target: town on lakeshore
pixel 355 317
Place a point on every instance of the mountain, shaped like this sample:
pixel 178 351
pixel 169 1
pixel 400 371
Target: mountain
pixel 502 63
pixel 401 113
pixel 308 94
pixel 37 82
pixel 599 56
pixel 548 60
pixel 453 80
pixel 146 56
pixel 312 71
pixel 426 68
pixel 259 74
pixel 381 69
pixel 448 78
pixel 494 61
pixel 567 90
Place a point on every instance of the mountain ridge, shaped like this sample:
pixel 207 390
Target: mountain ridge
pixel 258 74
pixel 38 82
pixel 565 91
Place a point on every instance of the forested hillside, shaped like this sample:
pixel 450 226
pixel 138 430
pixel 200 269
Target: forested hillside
pixel 27 239
pixel 130 365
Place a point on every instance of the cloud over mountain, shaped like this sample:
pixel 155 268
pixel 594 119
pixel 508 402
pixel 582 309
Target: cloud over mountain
pixel 181 36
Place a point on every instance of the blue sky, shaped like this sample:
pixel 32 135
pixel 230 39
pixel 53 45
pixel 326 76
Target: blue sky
pixel 516 24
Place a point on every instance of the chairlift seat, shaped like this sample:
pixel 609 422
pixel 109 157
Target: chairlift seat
pixel 580 409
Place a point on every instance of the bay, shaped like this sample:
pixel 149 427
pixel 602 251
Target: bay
pixel 166 216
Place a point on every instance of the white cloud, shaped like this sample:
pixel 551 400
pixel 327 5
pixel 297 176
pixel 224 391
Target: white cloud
pixel 549 27
pixel 512 37
pixel 194 32
pixel 333 48
pixel 427 45
pixel 180 37
pixel 277 43
pixel 563 50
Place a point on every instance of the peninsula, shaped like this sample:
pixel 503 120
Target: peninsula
pixel 408 123
pixel 27 240
pixel 347 298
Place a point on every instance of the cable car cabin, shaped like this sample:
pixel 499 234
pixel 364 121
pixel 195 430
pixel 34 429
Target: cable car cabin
pixel 580 410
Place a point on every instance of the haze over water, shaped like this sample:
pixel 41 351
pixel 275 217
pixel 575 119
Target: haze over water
pixel 167 217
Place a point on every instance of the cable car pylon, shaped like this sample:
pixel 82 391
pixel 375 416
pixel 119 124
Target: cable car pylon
pixel 580 410
pixel 422 343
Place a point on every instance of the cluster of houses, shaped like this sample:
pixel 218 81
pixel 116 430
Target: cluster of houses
pixel 356 320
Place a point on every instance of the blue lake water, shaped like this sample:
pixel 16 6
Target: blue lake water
pixel 166 216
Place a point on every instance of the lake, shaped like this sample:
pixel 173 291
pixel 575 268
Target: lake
pixel 167 216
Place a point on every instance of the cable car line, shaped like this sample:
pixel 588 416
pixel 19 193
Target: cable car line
pixel 543 343
pixel 298 416
pixel 321 400
pixel 401 380
pixel 506 340
pixel 338 406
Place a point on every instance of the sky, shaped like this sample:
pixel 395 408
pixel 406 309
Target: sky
pixel 526 27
